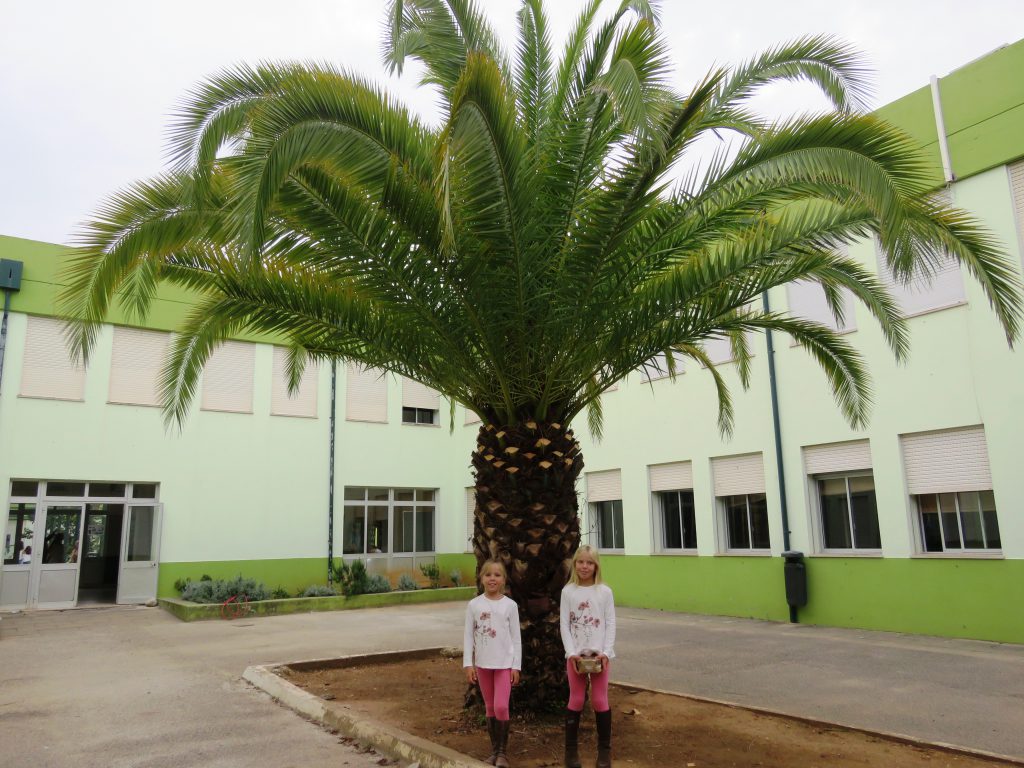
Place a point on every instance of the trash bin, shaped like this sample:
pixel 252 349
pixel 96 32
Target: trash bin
pixel 796 579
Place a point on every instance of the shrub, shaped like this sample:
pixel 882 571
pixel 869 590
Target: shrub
pixel 456 577
pixel 206 577
pixel 280 593
pixel 353 579
pixel 180 584
pixel 319 590
pixel 376 584
pixel 433 574
pixel 208 590
pixel 406 583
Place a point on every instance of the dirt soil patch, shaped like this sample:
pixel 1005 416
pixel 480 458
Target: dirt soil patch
pixel 424 697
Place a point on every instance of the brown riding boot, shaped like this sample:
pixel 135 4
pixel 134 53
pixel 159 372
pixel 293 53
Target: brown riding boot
pixel 572 739
pixel 501 730
pixel 604 739
pixel 492 732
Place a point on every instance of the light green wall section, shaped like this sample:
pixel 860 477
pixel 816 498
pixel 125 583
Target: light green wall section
pixel 291 574
pixel 465 563
pixel 982 599
pixel 750 587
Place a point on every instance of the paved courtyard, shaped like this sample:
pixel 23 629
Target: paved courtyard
pixel 119 687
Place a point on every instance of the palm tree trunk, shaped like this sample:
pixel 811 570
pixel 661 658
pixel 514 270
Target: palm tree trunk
pixel 527 516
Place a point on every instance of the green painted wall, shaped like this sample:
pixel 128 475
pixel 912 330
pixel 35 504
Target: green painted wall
pixel 291 574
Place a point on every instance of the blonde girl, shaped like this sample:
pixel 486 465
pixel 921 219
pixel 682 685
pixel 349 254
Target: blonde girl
pixel 588 630
pixel 493 653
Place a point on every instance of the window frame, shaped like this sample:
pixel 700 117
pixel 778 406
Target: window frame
pixel 595 516
pixel 367 504
pixel 658 503
pixel 961 552
pixel 419 413
pixel 722 510
pixel 814 490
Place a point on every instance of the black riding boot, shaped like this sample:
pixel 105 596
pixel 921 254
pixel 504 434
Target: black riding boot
pixel 572 739
pixel 604 739
pixel 500 759
pixel 492 732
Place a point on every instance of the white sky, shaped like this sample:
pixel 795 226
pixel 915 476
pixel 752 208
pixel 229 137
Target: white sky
pixel 87 88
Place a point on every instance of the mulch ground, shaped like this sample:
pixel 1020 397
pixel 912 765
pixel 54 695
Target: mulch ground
pixel 424 697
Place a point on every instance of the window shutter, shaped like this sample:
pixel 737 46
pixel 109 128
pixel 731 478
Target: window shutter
pixel 837 457
pixel 366 394
pixel 719 351
pixel 738 475
pixel 806 299
pixel 472 418
pixel 604 486
pixel 1017 197
pixel 943 288
pixel 946 461
pixel 135 365
pixel 671 477
pixel 227 378
pixel 47 369
pixel 657 367
pixel 470 509
pixel 416 395
pixel 304 401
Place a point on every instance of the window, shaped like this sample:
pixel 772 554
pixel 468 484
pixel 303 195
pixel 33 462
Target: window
pixel 675 524
pixel 366 394
pixel 604 503
pixel 746 521
pixel 419 416
pixel 388 520
pixel 420 403
pixel 303 403
pixel 949 479
pixel 657 366
pixel 678 526
pixel 135 364
pixel 608 517
pixel 228 378
pixel 742 505
pixel 807 301
pixel 952 522
pixel 849 517
pixel 47 369
pixel 21 522
pixel 844 489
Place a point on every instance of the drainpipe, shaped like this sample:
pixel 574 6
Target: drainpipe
pixel 330 477
pixel 940 130
pixel 791 557
pixel 10 281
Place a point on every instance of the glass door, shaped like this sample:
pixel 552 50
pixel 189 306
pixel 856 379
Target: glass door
pixel 140 552
pixel 59 552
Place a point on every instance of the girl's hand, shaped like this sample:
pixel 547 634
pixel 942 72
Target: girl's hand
pixel 471 675
pixel 515 677
pixel 606 663
pixel 573 660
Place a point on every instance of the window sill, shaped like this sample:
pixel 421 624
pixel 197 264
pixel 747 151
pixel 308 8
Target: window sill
pixel 416 424
pixel 996 554
pixel 676 553
pixel 930 310
pixel 745 553
pixel 849 553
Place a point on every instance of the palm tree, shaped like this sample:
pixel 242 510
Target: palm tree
pixel 530 251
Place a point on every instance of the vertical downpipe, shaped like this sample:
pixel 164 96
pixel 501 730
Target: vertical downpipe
pixel 777 428
pixel 940 130
pixel 330 476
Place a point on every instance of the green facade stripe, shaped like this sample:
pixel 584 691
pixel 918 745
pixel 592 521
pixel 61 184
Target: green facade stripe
pixel 291 574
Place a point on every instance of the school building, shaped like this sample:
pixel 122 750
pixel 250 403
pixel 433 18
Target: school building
pixel 914 524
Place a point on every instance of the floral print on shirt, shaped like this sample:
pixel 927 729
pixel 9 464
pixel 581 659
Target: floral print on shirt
pixel 582 624
pixel 483 632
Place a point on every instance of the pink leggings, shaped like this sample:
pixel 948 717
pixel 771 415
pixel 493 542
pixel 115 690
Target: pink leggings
pixel 496 686
pixel 578 689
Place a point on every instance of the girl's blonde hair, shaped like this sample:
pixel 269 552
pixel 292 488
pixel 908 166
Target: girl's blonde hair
pixel 586 549
pixel 493 561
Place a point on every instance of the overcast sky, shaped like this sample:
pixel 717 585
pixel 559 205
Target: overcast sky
pixel 88 88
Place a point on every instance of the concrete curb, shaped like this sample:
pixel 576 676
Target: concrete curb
pixel 393 742
pixel 401 745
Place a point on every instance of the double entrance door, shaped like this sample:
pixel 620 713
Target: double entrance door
pixel 91 552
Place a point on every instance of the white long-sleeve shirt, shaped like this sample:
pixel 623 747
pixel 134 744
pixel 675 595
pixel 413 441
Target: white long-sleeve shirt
pixel 588 620
pixel 491 640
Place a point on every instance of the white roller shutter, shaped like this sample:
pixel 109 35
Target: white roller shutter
pixel 303 403
pixel 135 365
pixel 738 475
pixel 806 299
pixel 228 378
pixel 416 395
pixel 470 509
pixel 471 418
pixel 1017 196
pixel 671 477
pixel 366 394
pixel 604 486
pixel 47 370
pixel 946 462
pixel 837 457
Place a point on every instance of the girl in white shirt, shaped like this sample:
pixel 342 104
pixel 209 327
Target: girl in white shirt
pixel 588 630
pixel 492 653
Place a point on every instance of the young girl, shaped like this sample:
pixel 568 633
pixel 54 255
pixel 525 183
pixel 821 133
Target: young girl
pixel 492 653
pixel 588 630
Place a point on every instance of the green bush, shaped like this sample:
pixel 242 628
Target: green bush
pixel 218 590
pixel 433 574
pixel 376 584
pixel 180 584
pixel 280 593
pixel 319 590
pixel 353 579
pixel 456 577
pixel 406 583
